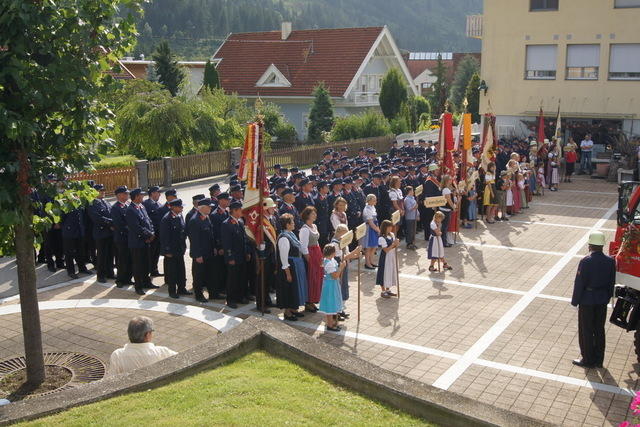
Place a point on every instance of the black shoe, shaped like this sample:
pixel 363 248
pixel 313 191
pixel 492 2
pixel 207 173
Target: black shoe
pixel 112 277
pixel 51 268
pixel 151 286
pixel 201 298
pixel 174 296
pixel 60 265
pixel 184 292
pixel 73 275
pixel 366 267
pixel 102 280
pixel 217 296
pixel 343 314
pixel 298 314
pixel 581 363
pixel 156 274
pixel 85 271
pixel 245 301
pixel 232 305
pixel 291 318
pixel 120 285
pixel 140 292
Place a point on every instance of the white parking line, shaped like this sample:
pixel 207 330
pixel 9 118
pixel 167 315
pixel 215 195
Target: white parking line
pixel 551 224
pixel 475 351
pixel 573 206
pixel 514 249
pixel 607 193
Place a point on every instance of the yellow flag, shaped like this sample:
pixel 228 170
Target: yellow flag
pixel 466 123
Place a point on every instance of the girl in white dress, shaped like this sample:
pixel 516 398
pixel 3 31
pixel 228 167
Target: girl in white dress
pixel 387 273
pixel 435 251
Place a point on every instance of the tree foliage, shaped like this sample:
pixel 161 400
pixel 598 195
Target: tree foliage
pixel 466 69
pixel 439 90
pixel 211 79
pixel 364 125
pixel 393 93
pixel 473 97
pixel 413 109
pixel 170 74
pixel 321 113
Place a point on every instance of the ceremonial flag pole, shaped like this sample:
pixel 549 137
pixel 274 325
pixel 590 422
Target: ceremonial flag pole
pixel 541 135
pixel 558 135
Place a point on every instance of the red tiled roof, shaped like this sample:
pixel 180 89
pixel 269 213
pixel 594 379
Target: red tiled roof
pixel 417 66
pixel 305 58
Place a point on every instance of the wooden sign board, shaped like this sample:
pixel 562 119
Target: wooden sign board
pixel 418 191
pixel 395 217
pixel 346 240
pixel 434 202
pixel 361 230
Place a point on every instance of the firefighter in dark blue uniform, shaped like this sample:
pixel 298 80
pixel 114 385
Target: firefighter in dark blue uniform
pixel 288 200
pixel 72 237
pixel 354 214
pixel 304 197
pixel 323 221
pixel 173 246
pixel 430 188
pixel 236 256
pixel 202 249
pixel 218 216
pixel 169 195
pixel 100 213
pixel 193 211
pixel 120 237
pixel 154 210
pixel 592 291
pixel 140 233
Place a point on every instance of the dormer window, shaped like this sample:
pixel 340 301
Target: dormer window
pixel 273 78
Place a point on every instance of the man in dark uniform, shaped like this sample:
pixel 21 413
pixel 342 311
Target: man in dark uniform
pixel 173 246
pixel 323 222
pixel 235 254
pixel 194 210
pixel 235 191
pixel 304 198
pixel 202 250
pixel 140 235
pixel 214 191
pixel 120 237
pixel 335 191
pixel 154 210
pixel 169 195
pixel 384 207
pixel 72 237
pixel 100 213
pixel 354 214
pixel 430 188
pixel 218 216
pixel 88 243
pixel 287 206
pixel 592 291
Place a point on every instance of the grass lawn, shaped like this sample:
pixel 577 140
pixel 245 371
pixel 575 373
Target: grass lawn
pixel 114 161
pixel 256 390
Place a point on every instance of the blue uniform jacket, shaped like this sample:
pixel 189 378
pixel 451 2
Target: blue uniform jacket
pixel 234 241
pixel 119 217
pixel 595 279
pixel 100 214
pixel 217 218
pixel 154 212
pixel 172 235
pixel 302 201
pixel 139 226
pixel 291 209
pixel 73 224
pixel 201 237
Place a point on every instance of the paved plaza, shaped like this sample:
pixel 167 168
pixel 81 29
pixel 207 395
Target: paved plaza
pixel 498 328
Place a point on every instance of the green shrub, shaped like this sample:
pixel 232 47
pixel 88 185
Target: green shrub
pixel 113 162
pixel 364 125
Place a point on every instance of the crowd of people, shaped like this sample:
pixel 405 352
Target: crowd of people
pixel 308 212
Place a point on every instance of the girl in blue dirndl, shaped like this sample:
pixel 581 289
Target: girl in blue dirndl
pixel 331 297
pixel 370 241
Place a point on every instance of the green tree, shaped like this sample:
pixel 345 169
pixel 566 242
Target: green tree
pixel 170 74
pixel 211 79
pixel 473 97
pixel 413 109
pixel 466 69
pixel 321 113
pixel 364 125
pixel 52 68
pixel 438 96
pixel 393 93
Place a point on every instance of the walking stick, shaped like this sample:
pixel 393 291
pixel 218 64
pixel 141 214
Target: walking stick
pixel 262 284
pixel 397 272
pixel 359 288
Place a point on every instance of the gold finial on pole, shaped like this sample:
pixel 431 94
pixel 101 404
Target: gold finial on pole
pixel 447 107
pixel 259 104
pixel 465 104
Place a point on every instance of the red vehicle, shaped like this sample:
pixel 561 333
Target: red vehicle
pixel 626 250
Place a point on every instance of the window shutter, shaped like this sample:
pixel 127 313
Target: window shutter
pixel 583 55
pixel 625 58
pixel 541 57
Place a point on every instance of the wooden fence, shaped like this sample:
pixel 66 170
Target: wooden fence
pixel 111 178
pixel 200 165
pixel 155 172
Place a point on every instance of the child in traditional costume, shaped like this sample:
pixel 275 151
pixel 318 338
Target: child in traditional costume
pixel 435 250
pixel 472 197
pixel 343 255
pixel 330 297
pixel 387 275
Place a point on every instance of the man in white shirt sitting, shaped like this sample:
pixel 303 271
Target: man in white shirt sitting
pixel 140 351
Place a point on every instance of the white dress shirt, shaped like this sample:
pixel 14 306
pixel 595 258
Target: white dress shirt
pixel 137 355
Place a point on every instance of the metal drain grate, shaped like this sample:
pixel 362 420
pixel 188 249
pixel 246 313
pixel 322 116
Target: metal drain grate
pixel 84 368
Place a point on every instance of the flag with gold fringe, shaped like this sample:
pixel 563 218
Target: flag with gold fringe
pixel 253 172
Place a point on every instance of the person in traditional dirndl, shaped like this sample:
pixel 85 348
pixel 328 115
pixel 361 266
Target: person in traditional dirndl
pixel 330 298
pixel 435 250
pixel 290 265
pixel 344 255
pixel 370 217
pixel 387 275
pixel 309 239
pixel 489 199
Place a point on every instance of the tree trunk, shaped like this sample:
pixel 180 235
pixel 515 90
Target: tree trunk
pixel 25 260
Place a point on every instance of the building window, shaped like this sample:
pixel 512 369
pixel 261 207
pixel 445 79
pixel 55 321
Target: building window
pixel 624 62
pixel 537 5
pixel 621 4
pixel 583 61
pixel 541 62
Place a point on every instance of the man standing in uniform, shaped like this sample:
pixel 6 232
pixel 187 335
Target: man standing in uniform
pixel 592 291
pixel 235 254
pixel 154 210
pixel 218 216
pixel 140 235
pixel 100 214
pixel 120 239
pixel 202 249
pixel 72 236
pixel 173 246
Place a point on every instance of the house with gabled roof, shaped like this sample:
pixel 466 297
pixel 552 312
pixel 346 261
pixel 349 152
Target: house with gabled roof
pixel 284 66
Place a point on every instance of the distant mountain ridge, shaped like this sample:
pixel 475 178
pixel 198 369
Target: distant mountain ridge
pixel 194 28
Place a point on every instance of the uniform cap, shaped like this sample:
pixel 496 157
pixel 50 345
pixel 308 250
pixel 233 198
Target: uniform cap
pixel 596 238
pixel 174 203
pixel 198 197
pixel 204 202
pixel 99 187
pixel 235 205
pixel 122 189
pixel 347 180
pixel 154 188
pixel 214 187
pixel 223 196
pixel 287 191
pixel 277 166
pixel 235 188
pixel 136 192
pixel 171 192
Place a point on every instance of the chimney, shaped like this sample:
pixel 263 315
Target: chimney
pixel 286 30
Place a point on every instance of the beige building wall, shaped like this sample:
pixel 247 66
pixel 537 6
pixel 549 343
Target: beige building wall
pixel 509 26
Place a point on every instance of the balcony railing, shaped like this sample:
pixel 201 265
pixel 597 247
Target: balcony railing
pixel 474 26
pixel 366 98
